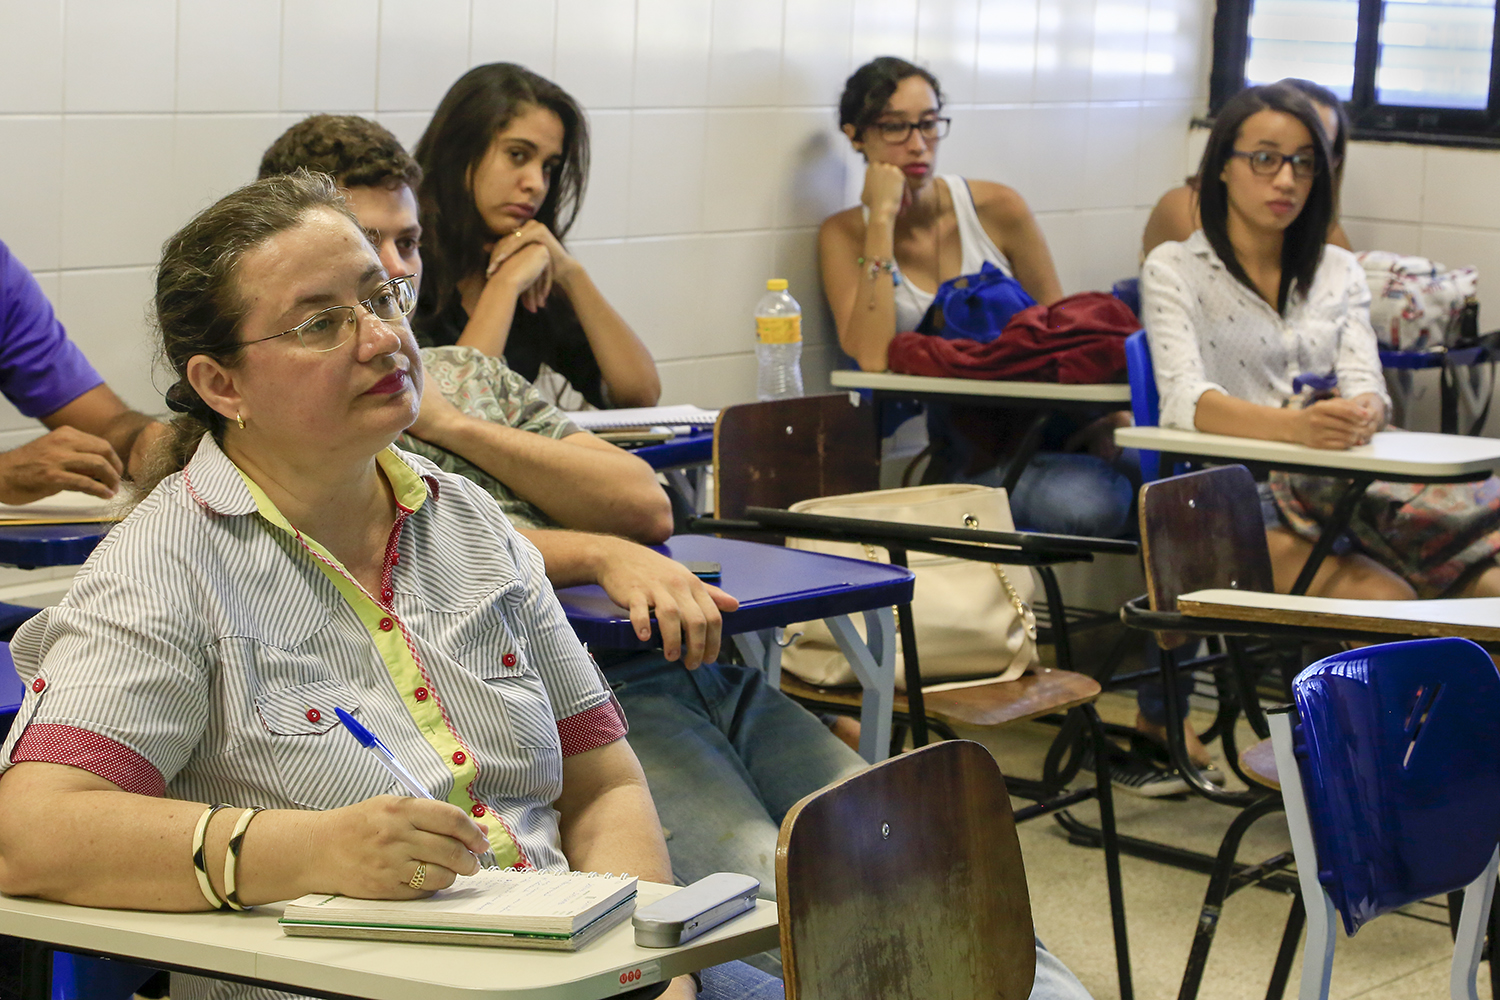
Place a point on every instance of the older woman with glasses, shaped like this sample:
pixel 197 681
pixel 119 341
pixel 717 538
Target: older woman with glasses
pixel 290 562
pixel 883 260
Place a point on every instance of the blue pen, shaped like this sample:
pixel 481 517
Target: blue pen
pixel 388 760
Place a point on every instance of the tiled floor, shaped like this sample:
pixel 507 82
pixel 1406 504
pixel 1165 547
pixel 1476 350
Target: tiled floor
pixel 1393 957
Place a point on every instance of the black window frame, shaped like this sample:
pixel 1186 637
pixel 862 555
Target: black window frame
pixel 1371 121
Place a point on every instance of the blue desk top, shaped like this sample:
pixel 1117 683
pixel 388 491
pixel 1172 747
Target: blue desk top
pixel 11 688
pixel 774 585
pixel 33 545
pixel 683 451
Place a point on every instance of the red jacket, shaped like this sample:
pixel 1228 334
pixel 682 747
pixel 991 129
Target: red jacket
pixel 1078 340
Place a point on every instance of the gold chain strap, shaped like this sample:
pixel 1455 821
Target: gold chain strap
pixel 1028 617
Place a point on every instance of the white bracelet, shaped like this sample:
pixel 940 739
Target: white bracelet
pixel 200 869
pixel 232 859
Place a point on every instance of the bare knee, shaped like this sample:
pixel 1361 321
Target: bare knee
pixel 1361 578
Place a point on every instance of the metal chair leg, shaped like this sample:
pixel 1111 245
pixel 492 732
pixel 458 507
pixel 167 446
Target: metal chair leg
pixel 1218 891
pixel 36 971
pixel 1104 792
pixel 1290 938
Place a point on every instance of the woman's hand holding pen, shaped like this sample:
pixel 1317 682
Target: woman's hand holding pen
pixel 371 850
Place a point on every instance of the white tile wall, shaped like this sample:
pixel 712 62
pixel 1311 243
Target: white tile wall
pixel 716 149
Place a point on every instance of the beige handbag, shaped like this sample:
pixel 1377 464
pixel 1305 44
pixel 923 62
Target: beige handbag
pixel 973 618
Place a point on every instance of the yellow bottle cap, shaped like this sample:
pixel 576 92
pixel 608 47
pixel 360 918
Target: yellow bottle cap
pixel 776 285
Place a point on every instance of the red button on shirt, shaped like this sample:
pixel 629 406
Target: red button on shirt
pixel 509 659
pixel 420 694
pixel 478 809
pixel 387 594
pixel 386 624
pixel 313 715
pixel 459 757
pixel 37 685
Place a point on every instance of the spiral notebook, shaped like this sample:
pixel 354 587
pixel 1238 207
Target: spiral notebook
pixel 562 911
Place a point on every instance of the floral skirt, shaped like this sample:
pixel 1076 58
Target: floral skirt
pixel 1430 534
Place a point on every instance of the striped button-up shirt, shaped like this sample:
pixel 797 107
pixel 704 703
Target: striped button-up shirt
pixel 204 646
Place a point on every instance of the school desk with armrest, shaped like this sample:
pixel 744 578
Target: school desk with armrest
pixel 1395 456
pixel 1042 398
pixel 1208 570
pixel 776 587
pixel 251 948
pixel 771 455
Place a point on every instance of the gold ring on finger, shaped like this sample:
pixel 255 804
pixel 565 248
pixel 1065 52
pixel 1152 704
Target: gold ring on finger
pixel 517 232
pixel 421 876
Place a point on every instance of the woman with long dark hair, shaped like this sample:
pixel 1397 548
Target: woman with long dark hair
pixel 1176 214
pixel 505 161
pixel 1257 297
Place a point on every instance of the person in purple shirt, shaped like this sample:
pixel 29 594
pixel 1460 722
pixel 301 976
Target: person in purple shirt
pixel 93 438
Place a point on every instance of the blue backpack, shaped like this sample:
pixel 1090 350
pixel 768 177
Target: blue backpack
pixel 975 306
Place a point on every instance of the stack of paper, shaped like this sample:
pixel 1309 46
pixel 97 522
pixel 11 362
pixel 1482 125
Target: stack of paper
pixel 681 415
pixel 519 909
pixel 66 507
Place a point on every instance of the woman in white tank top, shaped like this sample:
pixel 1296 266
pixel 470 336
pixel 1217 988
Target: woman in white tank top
pixel 883 260
pixel 911 223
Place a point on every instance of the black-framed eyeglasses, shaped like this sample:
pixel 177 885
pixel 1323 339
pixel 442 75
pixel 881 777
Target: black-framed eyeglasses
pixel 332 328
pixel 1267 163
pixel 896 133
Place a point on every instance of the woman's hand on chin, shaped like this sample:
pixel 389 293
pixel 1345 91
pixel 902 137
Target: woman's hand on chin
pixel 1332 424
pixel 885 192
pixel 525 268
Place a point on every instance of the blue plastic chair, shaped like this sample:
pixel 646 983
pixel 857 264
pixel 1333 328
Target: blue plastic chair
pixel 1392 789
pixel 1145 404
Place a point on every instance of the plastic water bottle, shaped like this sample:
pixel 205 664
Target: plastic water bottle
pixel 778 329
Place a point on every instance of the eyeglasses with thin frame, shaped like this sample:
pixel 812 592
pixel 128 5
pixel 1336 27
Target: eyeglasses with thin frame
pixel 332 328
pixel 1267 163
pixel 896 133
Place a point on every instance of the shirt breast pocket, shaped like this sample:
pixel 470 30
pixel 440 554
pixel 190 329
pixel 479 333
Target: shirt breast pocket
pixel 320 765
pixel 502 661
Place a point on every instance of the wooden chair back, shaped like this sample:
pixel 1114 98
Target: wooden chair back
pixel 904 881
pixel 776 453
pixel 1202 530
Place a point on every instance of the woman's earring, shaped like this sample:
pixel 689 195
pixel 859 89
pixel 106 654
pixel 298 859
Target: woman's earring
pixel 239 420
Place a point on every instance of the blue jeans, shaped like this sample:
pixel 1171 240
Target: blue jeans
pixel 726 756
pixel 1064 493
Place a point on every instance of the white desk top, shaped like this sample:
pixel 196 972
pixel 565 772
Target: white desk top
pixel 928 385
pixel 252 945
pixel 1468 617
pixel 1391 453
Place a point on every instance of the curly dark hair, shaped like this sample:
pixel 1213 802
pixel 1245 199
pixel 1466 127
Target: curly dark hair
pixel 354 151
pixel 868 90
